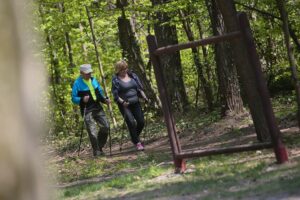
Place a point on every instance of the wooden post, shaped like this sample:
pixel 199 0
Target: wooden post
pixel 179 163
pixel 279 148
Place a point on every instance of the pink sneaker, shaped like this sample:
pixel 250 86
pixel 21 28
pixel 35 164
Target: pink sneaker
pixel 139 147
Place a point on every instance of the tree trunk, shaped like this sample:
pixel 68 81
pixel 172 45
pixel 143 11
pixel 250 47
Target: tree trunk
pixel 131 51
pixel 68 40
pixel 245 70
pixel 208 69
pixel 83 46
pixel 207 90
pixel 166 34
pixel 100 65
pixel 292 61
pixel 230 98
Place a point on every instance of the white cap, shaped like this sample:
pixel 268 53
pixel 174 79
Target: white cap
pixel 86 68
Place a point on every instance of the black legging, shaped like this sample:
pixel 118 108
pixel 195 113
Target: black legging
pixel 134 118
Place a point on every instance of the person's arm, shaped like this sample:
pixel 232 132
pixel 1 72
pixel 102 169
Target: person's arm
pixel 75 98
pixel 115 91
pixel 99 92
pixel 143 95
pixel 140 87
pixel 123 102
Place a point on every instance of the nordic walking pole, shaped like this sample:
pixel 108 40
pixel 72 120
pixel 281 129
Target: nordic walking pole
pixel 110 111
pixel 146 109
pixel 83 123
pixel 109 137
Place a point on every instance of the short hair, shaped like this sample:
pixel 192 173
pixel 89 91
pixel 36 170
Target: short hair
pixel 120 65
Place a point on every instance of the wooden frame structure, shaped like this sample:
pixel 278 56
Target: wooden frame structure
pixel 246 35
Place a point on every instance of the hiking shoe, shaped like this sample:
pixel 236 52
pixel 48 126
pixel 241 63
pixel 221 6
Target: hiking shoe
pixel 139 147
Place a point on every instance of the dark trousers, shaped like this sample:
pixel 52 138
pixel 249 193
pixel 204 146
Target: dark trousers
pixel 98 138
pixel 134 118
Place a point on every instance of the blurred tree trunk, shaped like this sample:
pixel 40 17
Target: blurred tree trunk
pixel 132 52
pixel 292 61
pixel 244 70
pixel 230 98
pixel 207 90
pixel 166 34
pixel 21 81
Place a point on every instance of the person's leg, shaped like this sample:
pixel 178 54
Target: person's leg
pixel 92 131
pixel 130 122
pixel 103 123
pixel 139 117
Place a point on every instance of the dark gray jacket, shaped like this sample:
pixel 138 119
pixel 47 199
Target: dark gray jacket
pixel 116 85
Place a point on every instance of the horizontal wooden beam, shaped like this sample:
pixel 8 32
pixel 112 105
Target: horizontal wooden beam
pixel 210 40
pixel 215 151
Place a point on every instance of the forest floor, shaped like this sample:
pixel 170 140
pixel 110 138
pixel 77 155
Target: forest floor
pixel 128 174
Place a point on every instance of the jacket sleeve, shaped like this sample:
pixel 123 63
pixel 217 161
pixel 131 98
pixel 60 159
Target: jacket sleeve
pixel 115 89
pixel 75 98
pixel 99 91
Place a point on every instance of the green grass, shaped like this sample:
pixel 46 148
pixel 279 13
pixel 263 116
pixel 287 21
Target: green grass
pixel 251 175
pixel 215 176
pixel 122 182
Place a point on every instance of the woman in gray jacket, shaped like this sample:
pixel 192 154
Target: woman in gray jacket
pixel 126 89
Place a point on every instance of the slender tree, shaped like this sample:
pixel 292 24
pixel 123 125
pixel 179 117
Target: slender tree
pixel 103 78
pixel 290 54
pixel 68 40
pixel 83 46
pixel 207 89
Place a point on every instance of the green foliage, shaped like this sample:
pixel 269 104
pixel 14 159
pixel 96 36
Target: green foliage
pixel 281 83
pixel 64 118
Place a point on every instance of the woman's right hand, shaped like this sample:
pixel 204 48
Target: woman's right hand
pixel 86 99
pixel 126 104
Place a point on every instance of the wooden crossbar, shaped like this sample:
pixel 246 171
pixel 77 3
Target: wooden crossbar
pixel 210 40
pixel 224 150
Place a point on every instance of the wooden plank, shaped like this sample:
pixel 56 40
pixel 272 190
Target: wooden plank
pixel 210 40
pixel 224 150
